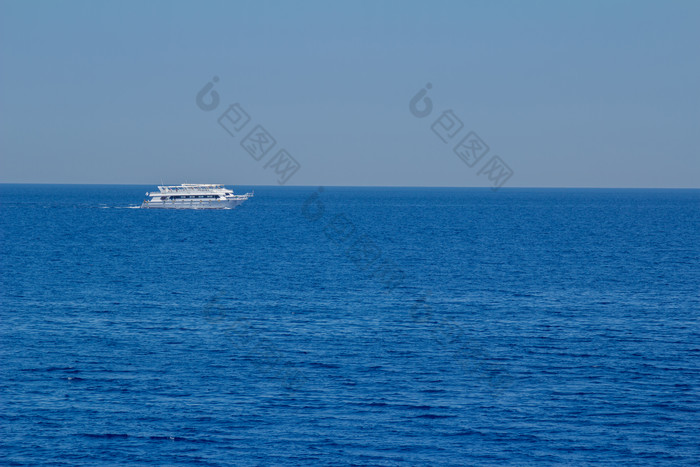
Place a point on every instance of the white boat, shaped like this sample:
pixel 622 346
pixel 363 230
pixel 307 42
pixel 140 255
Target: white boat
pixel 193 196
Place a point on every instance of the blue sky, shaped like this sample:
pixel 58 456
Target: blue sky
pixel 567 94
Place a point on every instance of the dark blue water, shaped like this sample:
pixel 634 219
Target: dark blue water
pixel 350 326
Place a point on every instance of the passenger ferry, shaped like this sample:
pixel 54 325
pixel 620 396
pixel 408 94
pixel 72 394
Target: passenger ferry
pixel 193 196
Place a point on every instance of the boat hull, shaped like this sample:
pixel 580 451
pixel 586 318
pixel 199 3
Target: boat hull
pixel 193 204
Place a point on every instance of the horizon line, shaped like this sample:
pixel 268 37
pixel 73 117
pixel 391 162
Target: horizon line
pixel 381 186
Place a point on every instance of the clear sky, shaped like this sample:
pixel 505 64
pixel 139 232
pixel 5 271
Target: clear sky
pixel 567 94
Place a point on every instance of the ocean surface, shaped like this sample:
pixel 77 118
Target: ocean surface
pixel 350 326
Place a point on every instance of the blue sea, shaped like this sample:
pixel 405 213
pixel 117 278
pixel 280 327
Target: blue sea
pixel 350 326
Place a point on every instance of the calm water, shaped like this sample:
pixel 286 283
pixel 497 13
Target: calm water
pixel 352 326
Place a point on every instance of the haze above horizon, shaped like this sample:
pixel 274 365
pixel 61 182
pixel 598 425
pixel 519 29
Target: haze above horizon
pixel 595 94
